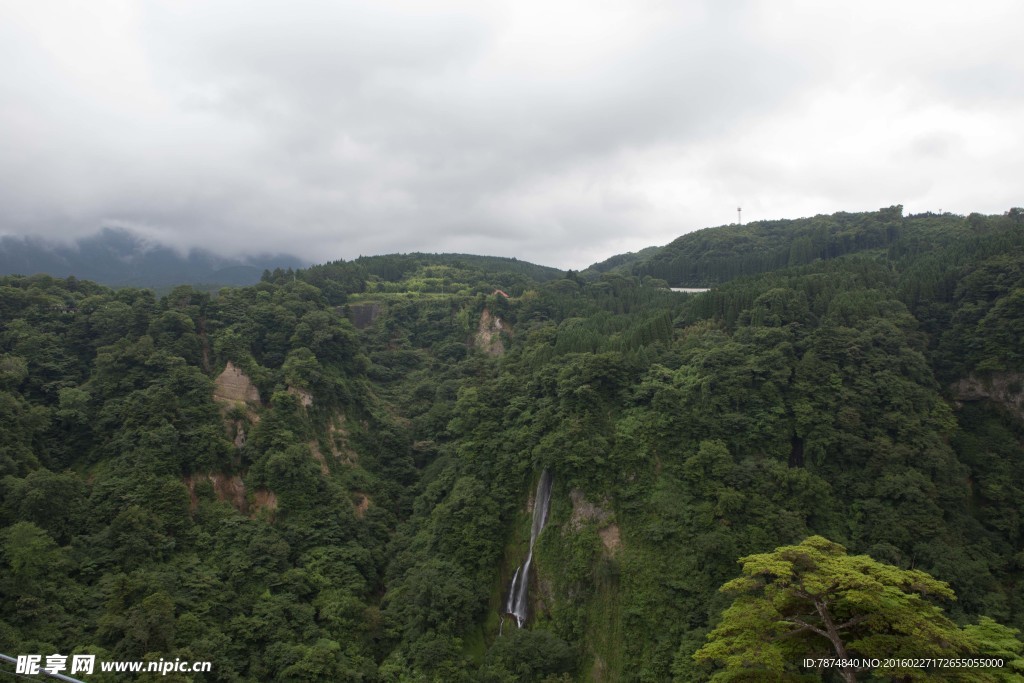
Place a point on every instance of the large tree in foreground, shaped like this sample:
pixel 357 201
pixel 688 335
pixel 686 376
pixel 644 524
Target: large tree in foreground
pixel 814 601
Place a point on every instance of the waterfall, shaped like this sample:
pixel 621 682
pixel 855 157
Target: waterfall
pixel 516 603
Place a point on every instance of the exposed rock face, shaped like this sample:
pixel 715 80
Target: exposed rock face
pixel 263 499
pixel 488 334
pixel 232 490
pixel 362 504
pixel 305 398
pixel 234 386
pixel 584 512
pixel 319 457
pixel 1004 388
pixel 239 430
pixel 227 489
pixel 610 538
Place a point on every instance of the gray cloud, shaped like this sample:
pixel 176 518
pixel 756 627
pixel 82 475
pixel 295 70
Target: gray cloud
pixel 559 133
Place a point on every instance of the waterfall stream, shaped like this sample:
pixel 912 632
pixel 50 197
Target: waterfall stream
pixel 517 594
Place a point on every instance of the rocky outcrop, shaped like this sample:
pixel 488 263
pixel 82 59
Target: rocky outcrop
pixel 228 489
pixel 305 398
pixel 584 512
pixel 237 429
pixel 231 490
pixel 1003 388
pixel 233 386
pixel 319 457
pixel 263 500
pixel 610 538
pixel 488 334
pixel 232 389
pixel 361 501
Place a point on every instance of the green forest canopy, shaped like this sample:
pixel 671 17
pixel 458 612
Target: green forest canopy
pixel 357 513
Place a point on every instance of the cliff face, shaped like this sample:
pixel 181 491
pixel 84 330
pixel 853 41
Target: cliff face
pixel 584 512
pixel 234 386
pixel 488 334
pixel 231 489
pixel 1004 388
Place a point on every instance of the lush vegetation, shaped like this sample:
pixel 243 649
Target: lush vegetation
pixel 357 510
pixel 814 601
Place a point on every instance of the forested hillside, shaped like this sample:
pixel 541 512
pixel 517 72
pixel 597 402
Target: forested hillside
pixel 331 475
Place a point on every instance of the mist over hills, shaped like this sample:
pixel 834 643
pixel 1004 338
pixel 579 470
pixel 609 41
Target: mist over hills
pixel 120 258
pixel 706 257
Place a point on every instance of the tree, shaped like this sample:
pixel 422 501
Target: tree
pixel 813 600
pixel 31 556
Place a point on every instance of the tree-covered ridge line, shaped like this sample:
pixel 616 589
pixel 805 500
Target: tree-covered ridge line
pixel 418 272
pixel 621 263
pixel 810 400
pixel 718 254
pixel 715 255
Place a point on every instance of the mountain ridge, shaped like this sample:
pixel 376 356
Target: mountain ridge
pixel 121 258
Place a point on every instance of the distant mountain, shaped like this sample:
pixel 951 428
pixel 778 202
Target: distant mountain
pixel 121 258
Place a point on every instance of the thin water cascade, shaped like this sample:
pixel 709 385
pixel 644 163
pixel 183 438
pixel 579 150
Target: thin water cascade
pixel 517 594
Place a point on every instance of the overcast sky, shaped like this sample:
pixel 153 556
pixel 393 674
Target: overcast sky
pixel 559 132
